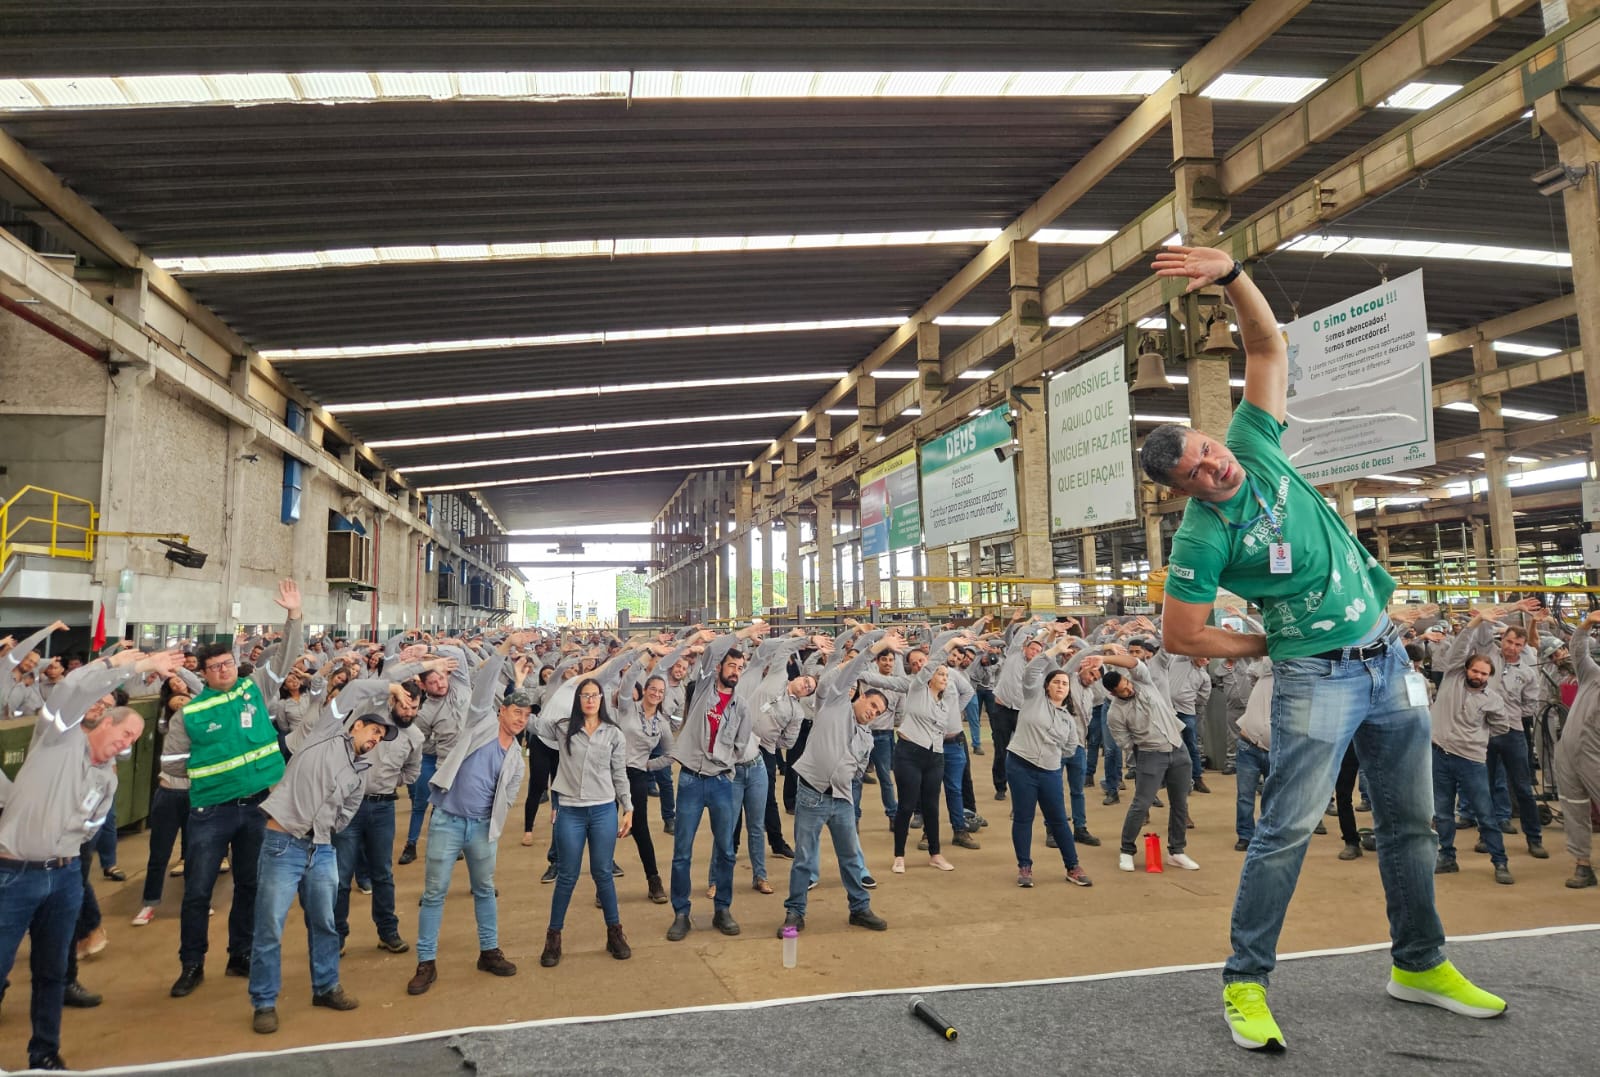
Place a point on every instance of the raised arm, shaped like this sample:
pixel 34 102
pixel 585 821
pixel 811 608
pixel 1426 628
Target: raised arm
pixel 1266 356
pixel 22 650
pixel 271 674
pixel 1582 659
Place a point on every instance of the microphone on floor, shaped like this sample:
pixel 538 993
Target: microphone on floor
pixel 925 1013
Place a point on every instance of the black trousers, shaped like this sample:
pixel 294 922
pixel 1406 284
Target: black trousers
pixel 774 816
pixel 1343 796
pixel 794 755
pixel 639 789
pixel 919 776
pixel 969 799
pixel 1002 725
pixel 542 763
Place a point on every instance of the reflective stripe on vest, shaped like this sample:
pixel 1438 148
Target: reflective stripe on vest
pixel 236 762
pixel 236 692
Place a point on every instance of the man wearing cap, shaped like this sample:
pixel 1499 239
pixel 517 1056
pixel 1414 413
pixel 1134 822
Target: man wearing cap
pixel 319 794
pixel 1256 527
pixel 59 801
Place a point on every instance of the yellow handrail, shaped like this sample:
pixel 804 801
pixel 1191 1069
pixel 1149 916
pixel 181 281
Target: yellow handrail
pixel 77 543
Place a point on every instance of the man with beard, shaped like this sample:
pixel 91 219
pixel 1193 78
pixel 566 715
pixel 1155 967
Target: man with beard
pixel 439 721
pixel 714 728
pixel 318 796
pixel 370 836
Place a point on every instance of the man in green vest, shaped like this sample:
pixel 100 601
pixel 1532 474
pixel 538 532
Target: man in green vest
pixel 234 761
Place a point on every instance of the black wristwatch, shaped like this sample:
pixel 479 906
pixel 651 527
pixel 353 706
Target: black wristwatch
pixel 1232 274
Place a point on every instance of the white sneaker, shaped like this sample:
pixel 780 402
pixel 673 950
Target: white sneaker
pixel 1125 862
pixel 145 915
pixel 899 866
pixel 1182 860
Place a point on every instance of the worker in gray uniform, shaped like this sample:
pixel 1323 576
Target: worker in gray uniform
pixel 1577 755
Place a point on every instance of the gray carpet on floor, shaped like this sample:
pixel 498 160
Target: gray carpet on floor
pixel 1333 1011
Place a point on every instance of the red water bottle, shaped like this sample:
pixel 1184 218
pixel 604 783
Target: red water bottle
pixel 1152 853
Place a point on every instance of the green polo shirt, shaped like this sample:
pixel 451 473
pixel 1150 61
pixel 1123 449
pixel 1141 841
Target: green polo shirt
pixel 1336 593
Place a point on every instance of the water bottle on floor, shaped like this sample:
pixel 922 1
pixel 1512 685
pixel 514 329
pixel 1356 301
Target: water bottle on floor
pixel 791 947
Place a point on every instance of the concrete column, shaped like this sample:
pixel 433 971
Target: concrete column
pixel 743 599
pixel 1087 565
pixel 794 591
pixel 939 565
pixel 838 577
pixel 1383 550
pixel 1480 549
pixel 930 382
pixel 1502 522
pixel 871 581
pixel 766 567
pixel 825 592
pixel 1345 493
pixel 1201 211
pixel 1035 558
pixel 1152 526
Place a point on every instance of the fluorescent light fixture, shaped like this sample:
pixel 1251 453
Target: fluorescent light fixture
pixel 1509 413
pixel 440 254
pixel 1420 96
pixel 582 475
pixel 844 413
pixel 591 390
pixel 583 455
pixel 1270 89
pixel 912 412
pixel 581 428
pixel 1404 479
pixel 607 336
pixel 1370 247
pixel 1509 348
pixel 1183 379
pixel 1559 473
pixel 1182 420
pixel 1509 459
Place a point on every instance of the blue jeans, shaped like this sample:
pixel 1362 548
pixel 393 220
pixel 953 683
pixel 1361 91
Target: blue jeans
pixel 1074 765
pixel 294 867
pixel 43 905
pixel 1252 767
pixel 369 839
pixel 973 713
pixel 1508 766
pixel 1100 737
pixel 448 837
pixel 1318 708
pixel 955 765
pixel 750 794
pixel 697 795
pixel 420 795
pixel 595 826
pixel 217 830
pixel 1191 741
pixel 882 764
pixel 1030 786
pixel 812 812
pixel 1454 775
pixel 105 842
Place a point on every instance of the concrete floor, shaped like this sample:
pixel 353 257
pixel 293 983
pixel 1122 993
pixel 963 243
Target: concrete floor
pixel 969 926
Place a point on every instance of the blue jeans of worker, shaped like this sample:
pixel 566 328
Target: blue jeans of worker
pixel 420 795
pixel 985 697
pixel 450 836
pixel 596 827
pixel 812 812
pixel 44 906
pixel 370 839
pixel 1074 767
pixel 1191 741
pixel 1252 766
pixel 749 794
pixel 1318 707
pixel 294 867
pixel 1030 786
pixel 216 830
pixel 1100 737
pixel 882 764
pixel 1499 797
pixel 699 795
pixel 105 842
pixel 1452 776
pixel 973 713
pixel 1508 766
pixel 955 765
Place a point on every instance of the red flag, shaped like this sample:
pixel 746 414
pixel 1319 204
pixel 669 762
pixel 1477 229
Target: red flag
pixel 99 631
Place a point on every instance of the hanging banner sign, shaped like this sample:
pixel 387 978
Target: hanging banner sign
pixel 967 490
pixel 891 514
pixel 1091 445
pixel 1360 398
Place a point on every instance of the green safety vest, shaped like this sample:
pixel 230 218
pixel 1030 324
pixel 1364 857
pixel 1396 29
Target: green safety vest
pixel 230 757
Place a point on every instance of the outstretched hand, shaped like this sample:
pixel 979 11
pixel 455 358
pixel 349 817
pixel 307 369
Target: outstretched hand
pixel 1201 265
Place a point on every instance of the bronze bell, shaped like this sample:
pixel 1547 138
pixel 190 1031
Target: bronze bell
pixel 1219 338
pixel 1151 372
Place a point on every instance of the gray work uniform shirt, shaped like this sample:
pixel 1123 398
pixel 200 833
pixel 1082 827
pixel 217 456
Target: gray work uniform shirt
pixel 838 748
pixel 1146 722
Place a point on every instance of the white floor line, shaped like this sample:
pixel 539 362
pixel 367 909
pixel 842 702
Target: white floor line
pixel 759 1004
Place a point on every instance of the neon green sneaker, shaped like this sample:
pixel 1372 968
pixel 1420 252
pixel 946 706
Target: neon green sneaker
pixel 1244 1005
pixel 1444 987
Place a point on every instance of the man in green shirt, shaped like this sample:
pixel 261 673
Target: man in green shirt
pixel 1256 528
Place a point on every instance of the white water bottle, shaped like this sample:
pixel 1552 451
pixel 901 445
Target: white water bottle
pixel 791 947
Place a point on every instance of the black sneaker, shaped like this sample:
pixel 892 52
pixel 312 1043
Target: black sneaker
pixel 1445 865
pixel 999 794
pixel 869 882
pixel 1241 845
pixel 409 853
pixel 190 978
pixel 51 1061
pixel 794 920
pixel 870 920
pixel 1320 829
pixel 671 824
pixel 396 945
pixel 616 870
pixel 1050 841
pixel 783 850
pixel 80 997
pixel 1083 837
pixel 549 875
pixel 1157 802
pixel 238 965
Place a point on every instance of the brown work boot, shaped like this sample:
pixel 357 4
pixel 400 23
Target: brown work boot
pixel 335 999
pixel 494 961
pixel 658 893
pixel 617 942
pixel 425 975
pixel 552 950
